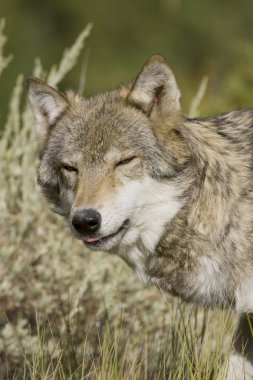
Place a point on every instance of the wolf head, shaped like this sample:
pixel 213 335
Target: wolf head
pixel 111 164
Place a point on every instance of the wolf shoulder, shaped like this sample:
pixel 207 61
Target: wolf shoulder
pixel 232 125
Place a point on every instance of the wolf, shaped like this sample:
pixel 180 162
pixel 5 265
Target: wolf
pixel 172 196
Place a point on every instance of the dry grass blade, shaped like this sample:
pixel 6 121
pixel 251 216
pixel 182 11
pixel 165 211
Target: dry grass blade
pixel 69 58
pixel 4 61
pixel 196 101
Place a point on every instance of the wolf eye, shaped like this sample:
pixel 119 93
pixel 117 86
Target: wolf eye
pixel 69 168
pixel 125 161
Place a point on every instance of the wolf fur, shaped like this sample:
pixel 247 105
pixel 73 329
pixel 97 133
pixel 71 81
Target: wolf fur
pixel 175 195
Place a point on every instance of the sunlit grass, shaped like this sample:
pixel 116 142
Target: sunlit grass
pixel 190 347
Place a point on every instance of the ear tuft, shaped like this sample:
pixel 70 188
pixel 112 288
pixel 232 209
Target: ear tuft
pixel 155 90
pixel 47 105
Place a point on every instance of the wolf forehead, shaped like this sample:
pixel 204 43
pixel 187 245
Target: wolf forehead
pixel 130 117
pixel 96 125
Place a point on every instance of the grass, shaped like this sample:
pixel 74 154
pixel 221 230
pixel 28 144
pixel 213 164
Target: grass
pixel 69 314
pixel 190 346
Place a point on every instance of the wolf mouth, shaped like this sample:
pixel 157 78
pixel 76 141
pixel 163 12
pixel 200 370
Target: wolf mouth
pixel 99 240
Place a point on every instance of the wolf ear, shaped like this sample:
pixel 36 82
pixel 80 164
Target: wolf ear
pixel 155 89
pixel 47 105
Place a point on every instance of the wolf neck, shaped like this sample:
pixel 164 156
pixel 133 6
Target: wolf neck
pixel 212 181
pixel 216 177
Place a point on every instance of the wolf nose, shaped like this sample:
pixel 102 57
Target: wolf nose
pixel 86 221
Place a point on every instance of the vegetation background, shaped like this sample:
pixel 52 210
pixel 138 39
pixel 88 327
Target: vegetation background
pixel 67 314
pixel 198 37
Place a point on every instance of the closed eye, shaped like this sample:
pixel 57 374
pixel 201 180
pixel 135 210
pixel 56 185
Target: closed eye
pixel 125 161
pixel 69 168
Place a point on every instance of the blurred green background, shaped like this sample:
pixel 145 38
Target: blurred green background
pixel 198 37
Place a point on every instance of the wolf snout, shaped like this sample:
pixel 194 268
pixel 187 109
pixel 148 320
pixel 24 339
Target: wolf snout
pixel 86 221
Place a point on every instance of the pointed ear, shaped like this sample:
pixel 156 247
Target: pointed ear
pixel 155 89
pixel 47 105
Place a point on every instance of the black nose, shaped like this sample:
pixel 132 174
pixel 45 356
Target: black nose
pixel 86 221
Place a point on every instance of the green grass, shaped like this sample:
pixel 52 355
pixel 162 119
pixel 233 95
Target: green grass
pixel 69 314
